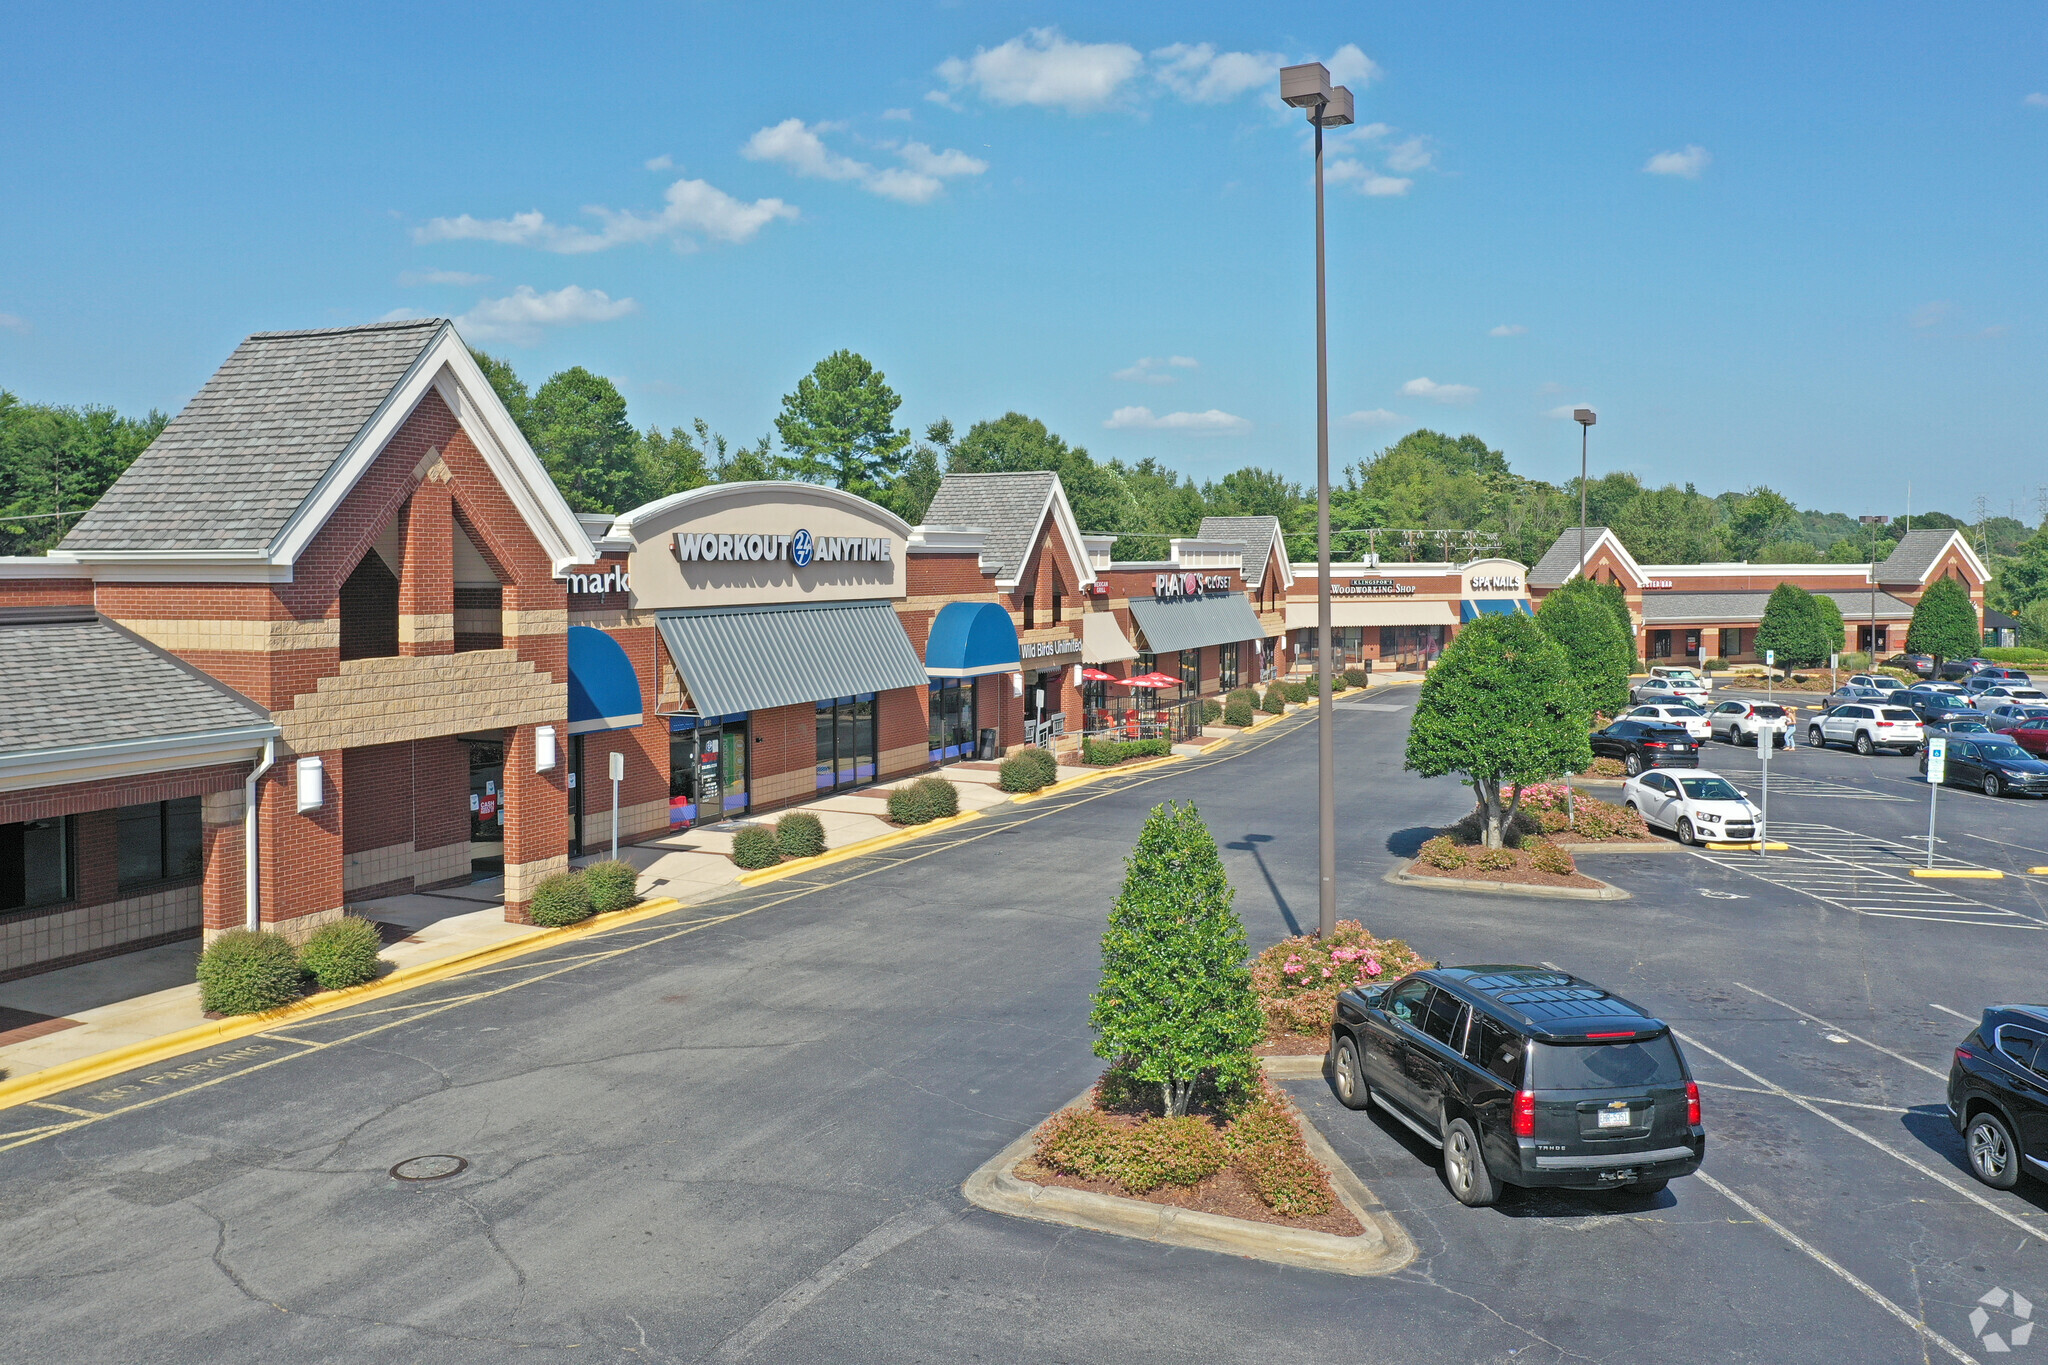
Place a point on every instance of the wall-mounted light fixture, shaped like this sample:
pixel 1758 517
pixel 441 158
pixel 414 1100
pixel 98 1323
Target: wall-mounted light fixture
pixel 312 785
pixel 544 749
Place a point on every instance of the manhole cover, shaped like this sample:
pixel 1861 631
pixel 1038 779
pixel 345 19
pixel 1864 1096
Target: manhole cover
pixel 429 1168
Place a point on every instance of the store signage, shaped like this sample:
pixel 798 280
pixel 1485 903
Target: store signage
pixel 1657 583
pixel 1045 649
pixel 1505 582
pixel 614 579
pixel 1373 587
pixel 799 548
pixel 1172 585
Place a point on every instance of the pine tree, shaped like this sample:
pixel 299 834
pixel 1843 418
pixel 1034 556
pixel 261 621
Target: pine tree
pixel 1176 1002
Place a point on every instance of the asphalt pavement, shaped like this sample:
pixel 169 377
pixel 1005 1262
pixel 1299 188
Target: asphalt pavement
pixel 739 1132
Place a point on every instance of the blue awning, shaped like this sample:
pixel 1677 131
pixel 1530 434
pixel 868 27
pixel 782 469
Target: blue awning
pixel 604 691
pixel 969 639
pixel 1493 606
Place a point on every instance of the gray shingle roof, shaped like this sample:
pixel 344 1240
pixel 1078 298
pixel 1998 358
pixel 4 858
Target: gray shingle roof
pixel 1561 560
pixel 232 468
pixel 1714 608
pixel 90 682
pixel 1256 534
pixel 1007 506
pixel 1915 556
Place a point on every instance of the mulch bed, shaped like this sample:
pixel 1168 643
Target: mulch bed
pixel 1521 874
pixel 1572 836
pixel 1227 1192
pixel 1292 1045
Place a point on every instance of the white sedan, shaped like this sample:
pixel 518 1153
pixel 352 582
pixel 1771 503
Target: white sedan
pixel 1653 690
pixel 1696 805
pixel 1685 716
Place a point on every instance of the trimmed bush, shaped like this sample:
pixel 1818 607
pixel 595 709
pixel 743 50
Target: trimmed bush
pixel 1297 692
pixel 1270 1149
pixel 800 834
pixel 1027 770
pixel 1212 711
pixel 1354 677
pixel 341 954
pixel 925 800
pixel 1248 695
pixel 560 900
pixel 1716 665
pixel 1107 753
pixel 756 847
pixel 1548 857
pixel 1441 853
pixel 1275 702
pixel 1140 1157
pixel 1297 979
pixel 1237 712
pixel 613 885
pixel 1855 661
pixel 1495 860
pixel 247 972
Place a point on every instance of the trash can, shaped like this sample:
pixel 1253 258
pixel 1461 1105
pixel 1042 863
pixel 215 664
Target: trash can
pixel 986 750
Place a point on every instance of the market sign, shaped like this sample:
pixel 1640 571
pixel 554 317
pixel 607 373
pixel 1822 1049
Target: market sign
pixel 799 548
pixel 1168 586
pixel 1043 649
pixel 1373 587
pixel 615 579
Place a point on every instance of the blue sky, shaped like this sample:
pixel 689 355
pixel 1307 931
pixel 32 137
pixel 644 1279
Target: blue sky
pixel 1794 245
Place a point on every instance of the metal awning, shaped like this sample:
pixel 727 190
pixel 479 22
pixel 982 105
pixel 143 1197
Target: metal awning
pixel 604 691
pixel 1192 622
pixel 752 658
pixel 1103 640
pixel 969 639
pixel 1471 609
pixel 1373 612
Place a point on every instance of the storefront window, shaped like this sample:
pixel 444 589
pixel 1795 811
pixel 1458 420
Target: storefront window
pixel 35 863
pixel 1095 713
pixel 1269 660
pixel 1660 644
pixel 952 719
pixel 1731 644
pixel 1190 672
pixel 1411 645
pixel 1348 644
pixel 157 842
pixel 707 768
pixel 1226 666
pixel 846 741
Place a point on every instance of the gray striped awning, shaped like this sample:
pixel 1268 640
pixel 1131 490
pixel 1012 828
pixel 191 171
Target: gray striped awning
pixel 752 658
pixel 1192 622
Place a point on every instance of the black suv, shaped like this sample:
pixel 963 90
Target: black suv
pixel 1522 1076
pixel 1998 1095
pixel 1641 744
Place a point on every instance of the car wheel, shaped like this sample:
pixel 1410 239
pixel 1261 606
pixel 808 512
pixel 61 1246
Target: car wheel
pixel 1992 786
pixel 1864 746
pixel 1648 1187
pixel 1632 765
pixel 1815 738
pixel 1349 1077
pixel 1994 1157
pixel 1686 834
pixel 1465 1167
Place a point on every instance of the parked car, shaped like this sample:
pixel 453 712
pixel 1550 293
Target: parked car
pixel 1741 722
pixel 2029 732
pixel 1998 1095
pixel 1962 668
pixel 1994 765
pixel 2001 673
pixel 1641 744
pixel 1521 1076
pixel 1654 689
pixel 1936 707
pixel 1993 695
pixel 1957 723
pixel 1940 689
pixel 1923 664
pixel 1694 806
pixel 1680 674
pixel 1868 728
pixel 2008 712
pixel 1684 715
pixel 1849 692
pixel 1881 682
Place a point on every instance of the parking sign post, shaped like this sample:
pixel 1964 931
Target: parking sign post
pixel 1937 773
pixel 1763 819
pixel 1770 662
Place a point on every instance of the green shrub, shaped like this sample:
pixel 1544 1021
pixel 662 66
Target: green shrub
pixel 1855 661
pixel 1105 753
pixel 1441 853
pixel 1269 1148
pixel 800 834
pixel 1027 770
pixel 560 900
pixel 247 972
pixel 613 885
pixel 1297 692
pixel 2018 657
pixel 1212 711
pixel 1276 699
pixel 1495 860
pixel 1248 695
pixel 756 847
pixel 1716 665
pixel 1237 712
pixel 1548 857
pixel 1354 677
pixel 341 954
pixel 925 800
pixel 1164 1151
pixel 1594 823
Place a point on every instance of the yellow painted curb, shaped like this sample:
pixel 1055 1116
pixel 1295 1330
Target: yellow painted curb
pixel 1743 848
pixel 840 855
pixel 1988 874
pixel 2037 872
pixel 1085 778
pixel 85 1070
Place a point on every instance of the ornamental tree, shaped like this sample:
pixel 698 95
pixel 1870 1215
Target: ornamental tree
pixel 1599 651
pixel 1792 627
pixel 1832 629
pixel 1176 1000
pixel 1945 623
pixel 1503 708
pixel 839 425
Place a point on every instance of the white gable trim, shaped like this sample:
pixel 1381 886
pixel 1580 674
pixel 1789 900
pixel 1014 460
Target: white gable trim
pixel 1969 555
pixel 1062 514
pixel 1606 537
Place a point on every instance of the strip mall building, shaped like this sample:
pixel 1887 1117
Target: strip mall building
pixel 336 635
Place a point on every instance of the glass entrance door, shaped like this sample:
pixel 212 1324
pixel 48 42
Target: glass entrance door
pixel 952 720
pixel 576 796
pixel 486 808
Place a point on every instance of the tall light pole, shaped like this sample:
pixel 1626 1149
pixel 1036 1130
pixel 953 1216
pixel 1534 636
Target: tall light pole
pixel 1307 87
pixel 1585 417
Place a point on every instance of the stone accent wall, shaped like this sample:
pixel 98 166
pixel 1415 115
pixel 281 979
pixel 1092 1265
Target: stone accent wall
pixel 43 942
pixel 389 700
pixel 397 868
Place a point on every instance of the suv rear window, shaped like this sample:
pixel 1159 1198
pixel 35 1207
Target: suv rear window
pixel 1767 712
pixel 1605 1066
pixel 1899 713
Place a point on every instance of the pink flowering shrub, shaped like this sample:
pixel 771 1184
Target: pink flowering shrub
pixel 1297 979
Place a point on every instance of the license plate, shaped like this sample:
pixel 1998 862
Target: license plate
pixel 1614 1118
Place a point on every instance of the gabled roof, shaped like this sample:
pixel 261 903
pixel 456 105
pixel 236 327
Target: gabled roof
pixel 1561 561
pixel 1715 608
pixel 252 467
pixel 1920 551
pixel 1261 538
pixel 1011 508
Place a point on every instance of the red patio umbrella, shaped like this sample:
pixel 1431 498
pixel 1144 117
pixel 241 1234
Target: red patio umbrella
pixel 1097 675
pixel 1149 680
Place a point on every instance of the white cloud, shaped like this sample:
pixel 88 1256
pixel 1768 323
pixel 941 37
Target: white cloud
pixel 1930 314
pixel 1371 132
pixel 1214 422
pixel 1152 369
pixel 413 278
pixel 1439 393
pixel 798 146
pixel 1366 180
pixel 401 315
pixel 1507 329
pixel 1412 155
pixel 1205 76
pixel 1349 66
pixel 664 162
pixel 1370 417
pixel 1688 163
pixel 520 315
pixel 2037 100
pixel 901 114
pixel 691 207
pixel 14 322
pixel 1565 412
pixel 1045 68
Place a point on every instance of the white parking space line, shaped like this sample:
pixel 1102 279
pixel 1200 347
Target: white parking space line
pixel 1946 1010
pixel 1922 1167
pixel 1900 1056
pixel 1794 784
pixel 1837 1268
pixel 1816 1099
pixel 1867 875
pixel 1380 706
